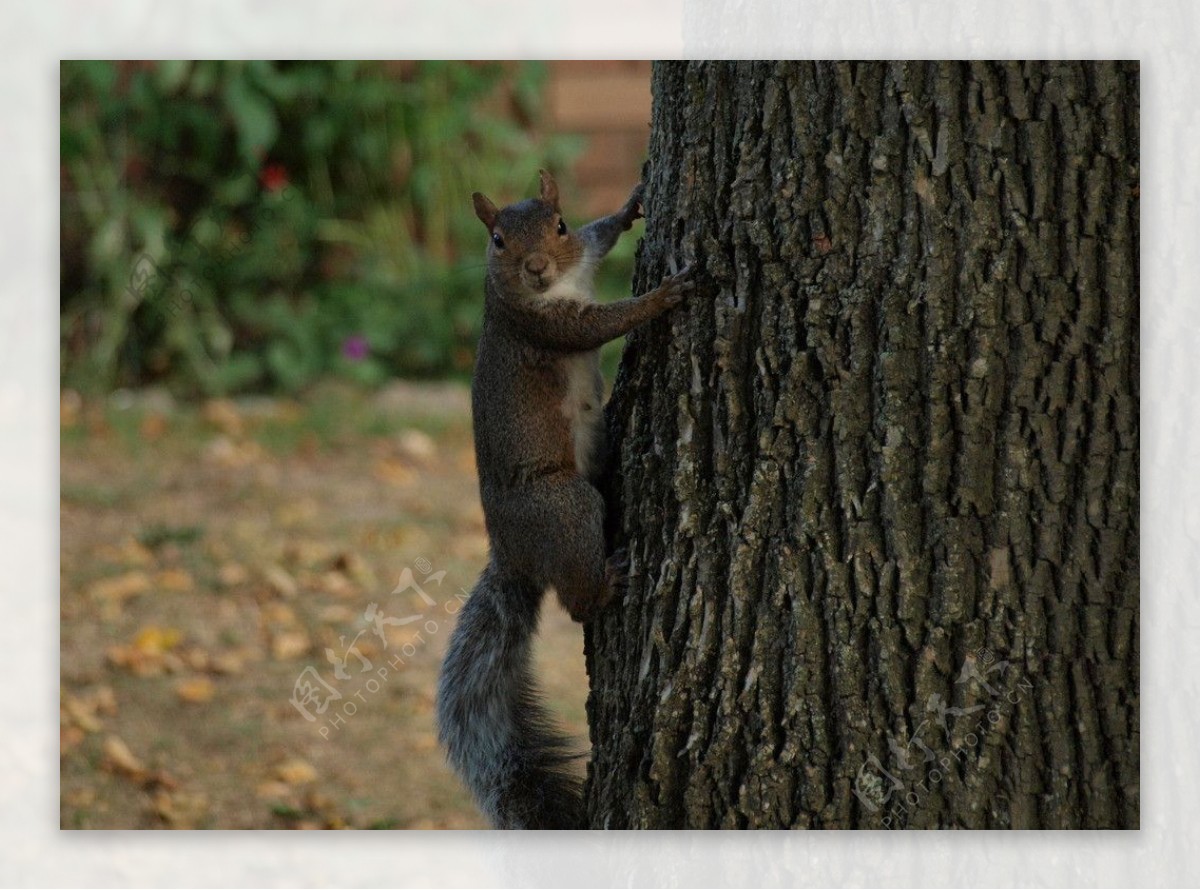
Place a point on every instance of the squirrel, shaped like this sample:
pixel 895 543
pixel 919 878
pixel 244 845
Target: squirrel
pixel 536 405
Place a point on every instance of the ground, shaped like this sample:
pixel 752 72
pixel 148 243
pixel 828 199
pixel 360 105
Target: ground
pixel 219 563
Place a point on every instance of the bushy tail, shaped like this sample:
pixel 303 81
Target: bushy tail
pixel 496 733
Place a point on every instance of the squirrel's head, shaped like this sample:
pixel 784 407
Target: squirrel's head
pixel 530 246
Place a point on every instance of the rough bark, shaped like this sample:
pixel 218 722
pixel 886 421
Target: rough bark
pixel 879 478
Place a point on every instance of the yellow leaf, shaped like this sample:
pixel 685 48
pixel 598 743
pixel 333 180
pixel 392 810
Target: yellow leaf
pixel 296 772
pixel 196 691
pixel 153 640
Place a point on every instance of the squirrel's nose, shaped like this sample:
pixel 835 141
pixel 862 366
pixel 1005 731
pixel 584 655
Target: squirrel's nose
pixel 536 264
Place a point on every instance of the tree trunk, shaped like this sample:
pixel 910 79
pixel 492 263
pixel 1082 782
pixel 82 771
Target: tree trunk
pixel 879 475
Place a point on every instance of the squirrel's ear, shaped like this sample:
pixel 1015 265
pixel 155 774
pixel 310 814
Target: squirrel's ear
pixel 485 210
pixel 549 189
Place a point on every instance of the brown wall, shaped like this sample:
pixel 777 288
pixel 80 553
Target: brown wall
pixel 607 103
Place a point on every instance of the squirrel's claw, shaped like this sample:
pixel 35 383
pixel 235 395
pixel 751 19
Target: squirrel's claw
pixel 634 209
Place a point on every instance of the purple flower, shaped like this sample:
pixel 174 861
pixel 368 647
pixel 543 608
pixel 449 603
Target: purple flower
pixel 355 348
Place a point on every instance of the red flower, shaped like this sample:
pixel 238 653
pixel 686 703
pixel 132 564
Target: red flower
pixel 273 177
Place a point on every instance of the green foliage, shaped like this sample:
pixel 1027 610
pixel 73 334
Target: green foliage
pixel 254 225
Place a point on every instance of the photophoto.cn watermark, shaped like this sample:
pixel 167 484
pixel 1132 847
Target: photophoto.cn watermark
pixel 327 699
pixel 948 739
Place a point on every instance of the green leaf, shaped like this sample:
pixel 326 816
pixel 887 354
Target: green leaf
pixel 254 118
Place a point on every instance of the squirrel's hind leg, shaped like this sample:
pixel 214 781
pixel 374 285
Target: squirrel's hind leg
pixel 556 533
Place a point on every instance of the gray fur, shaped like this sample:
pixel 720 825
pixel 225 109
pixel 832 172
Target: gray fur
pixel 543 513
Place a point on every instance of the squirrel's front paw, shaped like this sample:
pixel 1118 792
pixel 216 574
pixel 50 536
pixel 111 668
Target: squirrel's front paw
pixel 673 288
pixel 633 209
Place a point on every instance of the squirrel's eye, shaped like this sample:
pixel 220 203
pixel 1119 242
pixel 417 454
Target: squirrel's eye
pixel 562 227
pixel 497 240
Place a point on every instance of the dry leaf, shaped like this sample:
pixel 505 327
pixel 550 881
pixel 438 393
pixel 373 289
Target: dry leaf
pixel 69 738
pixel 232 575
pixel 290 644
pixel 119 759
pixel 153 426
pixel 298 513
pixel 131 552
pixel 180 809
pixel 196 691
pixel 70 405
pixel 416 446
pixel 227 453
pixel 196 659
pixel 279 613
pixel 81 712
pixel 395 472
pixel 174 580
pixel 337 584
pixel 272 790
pixel 117 589
pixel 296 772
pixel 80 797
pixel 281 582
pixel 152 640
pixel 337 614
pixel 227 663
pixel 224 415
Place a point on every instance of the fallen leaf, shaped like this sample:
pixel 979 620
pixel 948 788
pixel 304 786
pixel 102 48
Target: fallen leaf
pixel 70 404
pixel 290 644
pixel 117 589
pixel 395 472
pixel 119 759
pixel 130 552
pixel 224 452
pixel 179 809
pixel 337 614
pixel 81 797
pixel 227 663
pixel 280 581
pixel 106 701
pixel 298 513
pixel 153 426
pixel 81 712
pixel 416 445
pixel 153 640
pixel 279 613
pixel 272 790
pixel 174 580
pixel 69 738
pixel 224 415
pixel 337 584
pixel 232 575
pixel 196 691
pixel 295 772
pixel 196 659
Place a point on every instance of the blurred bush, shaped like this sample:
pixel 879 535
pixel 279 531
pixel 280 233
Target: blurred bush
pixel 229 226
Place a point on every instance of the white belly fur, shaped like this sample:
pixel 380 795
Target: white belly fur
pixel 585 388
pixel 581 406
